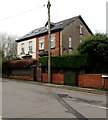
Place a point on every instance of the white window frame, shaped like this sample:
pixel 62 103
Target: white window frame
pixel 41 44
pixel 22 48
pixel 70 42
pixel 30 46
pixel 81 29
pixel 52 41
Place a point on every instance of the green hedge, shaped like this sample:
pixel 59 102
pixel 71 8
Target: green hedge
pixel 5 67
pixel 68 61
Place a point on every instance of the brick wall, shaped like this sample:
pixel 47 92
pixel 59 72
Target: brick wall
pixel 54 51
pixel 44 77
pixel 21 69
pixel 56 78
pixel 22 77
pixel 92 80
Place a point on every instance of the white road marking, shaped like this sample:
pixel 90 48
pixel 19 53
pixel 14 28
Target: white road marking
pixel 98 106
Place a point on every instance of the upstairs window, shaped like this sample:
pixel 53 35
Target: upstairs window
pixel 70 42
pixel 22 48
pixel 41 44
pixel 52 41
pixel 81 29
pixel 30 47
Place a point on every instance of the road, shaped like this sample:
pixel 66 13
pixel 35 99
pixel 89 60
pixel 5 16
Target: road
pixel 25 100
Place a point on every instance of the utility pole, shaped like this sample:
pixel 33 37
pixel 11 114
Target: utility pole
pixel 49 43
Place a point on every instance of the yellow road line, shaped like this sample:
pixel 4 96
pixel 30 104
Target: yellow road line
pixel 58 88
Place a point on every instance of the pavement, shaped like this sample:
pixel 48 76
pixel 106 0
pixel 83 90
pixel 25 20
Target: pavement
pixel 73 88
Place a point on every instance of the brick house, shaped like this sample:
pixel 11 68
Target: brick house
pixel 65 38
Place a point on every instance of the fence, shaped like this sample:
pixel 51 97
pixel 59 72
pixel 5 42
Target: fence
pixel 30 70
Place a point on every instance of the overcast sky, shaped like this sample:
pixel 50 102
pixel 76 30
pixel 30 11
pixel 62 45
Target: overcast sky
pixel 18 17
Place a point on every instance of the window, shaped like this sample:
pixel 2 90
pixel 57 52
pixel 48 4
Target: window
pixel 52 41
pixel 41 44
pixel 22 48
pixel 30 47
pixel 81 40
pixel 47 27
pixel 81 29
pixel 70 42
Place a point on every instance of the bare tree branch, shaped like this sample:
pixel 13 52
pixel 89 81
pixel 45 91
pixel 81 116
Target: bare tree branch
pixel 8 46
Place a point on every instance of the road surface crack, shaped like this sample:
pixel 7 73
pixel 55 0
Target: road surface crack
pixel 60 97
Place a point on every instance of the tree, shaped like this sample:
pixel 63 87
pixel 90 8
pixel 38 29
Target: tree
pixel 8 45
pixel 96 49
pixel 96 45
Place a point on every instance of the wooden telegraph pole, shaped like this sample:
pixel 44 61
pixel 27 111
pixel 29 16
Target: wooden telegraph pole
pixel 49 43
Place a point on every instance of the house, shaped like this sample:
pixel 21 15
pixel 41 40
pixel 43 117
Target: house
pixel 65 38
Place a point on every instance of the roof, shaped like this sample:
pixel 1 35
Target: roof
pixel 55 27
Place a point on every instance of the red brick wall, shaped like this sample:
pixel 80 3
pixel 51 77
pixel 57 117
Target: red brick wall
pixel 22 77
pixel 54 51
pixel 81 80
pixel 92 80
pixel 56 78
pixel 44 77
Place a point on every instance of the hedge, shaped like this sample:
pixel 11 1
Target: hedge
pixel 8 65
pixel 68 61
pixel 5 67
pixel 26 63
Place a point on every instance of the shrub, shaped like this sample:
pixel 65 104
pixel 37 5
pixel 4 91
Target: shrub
pixel 5 66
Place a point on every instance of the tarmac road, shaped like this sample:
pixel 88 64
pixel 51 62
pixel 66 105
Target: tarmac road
pixel 26 100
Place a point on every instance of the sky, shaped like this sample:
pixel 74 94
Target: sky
pixel 18 17
pixel 107 18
